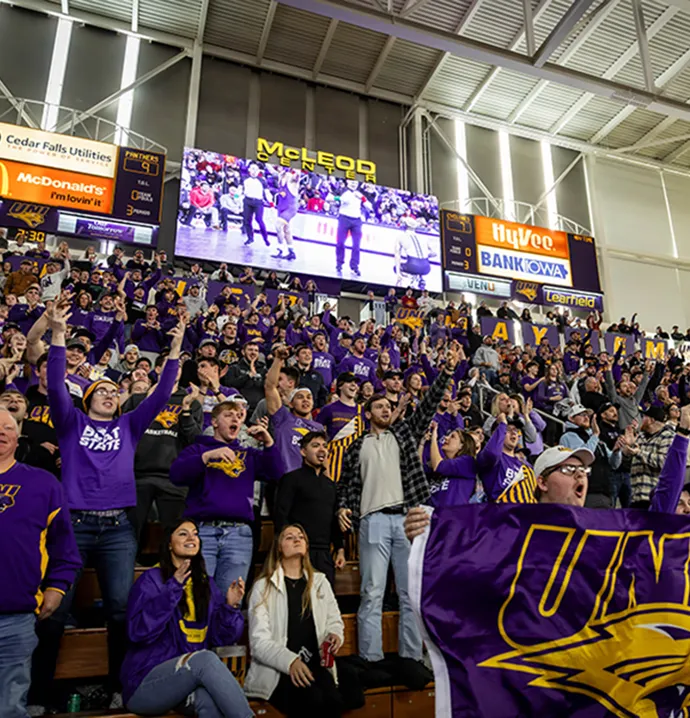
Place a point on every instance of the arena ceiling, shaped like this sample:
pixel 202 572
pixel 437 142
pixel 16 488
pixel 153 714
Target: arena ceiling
pixel 611 74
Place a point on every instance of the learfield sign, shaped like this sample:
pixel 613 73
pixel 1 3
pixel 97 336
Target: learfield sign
pixel 41 170
pixel 528 256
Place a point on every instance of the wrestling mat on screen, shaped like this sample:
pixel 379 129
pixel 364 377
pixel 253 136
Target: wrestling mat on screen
pixel 264 215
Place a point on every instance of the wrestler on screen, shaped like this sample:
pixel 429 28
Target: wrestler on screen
pixel 412 253
pixel 287 201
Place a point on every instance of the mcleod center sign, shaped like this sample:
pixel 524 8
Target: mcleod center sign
pixel 25 145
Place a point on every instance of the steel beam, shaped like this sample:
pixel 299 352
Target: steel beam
pixel 325 46
pixel 459 29
pixel 18 105
pixel 643 45
pixel 266 31
pixel 544 195
pixel 493 73
pixel 677 153
pixel 529 27
pixel 193 96
pixel 412 6
pixel 64 5
pixel 615 68
pixel 594 21
pixel 135 15
pixel 203 17
pixel 380 62
pixel 649 136
pixel 560 33
pixel 106 102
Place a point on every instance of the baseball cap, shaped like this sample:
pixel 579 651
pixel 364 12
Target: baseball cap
pixel 556 455
pixel 206 341
pixel 83 332
pixel 11 325
pixel 131 348
pixel 76 344
pixel 576 409
pixel 655 412
pixel 296 391
pixel 392 374
pixel 346 377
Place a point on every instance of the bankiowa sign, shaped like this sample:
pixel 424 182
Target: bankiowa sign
pixel 557 296
pixel 518 251
pixel 310 161
pixel 478 285
pixel 64 152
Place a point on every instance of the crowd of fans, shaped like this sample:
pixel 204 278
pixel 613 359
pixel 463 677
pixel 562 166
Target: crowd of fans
pixel 123 395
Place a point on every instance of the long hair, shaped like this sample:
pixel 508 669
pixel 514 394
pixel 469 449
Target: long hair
pixel 468 446
pixel 494 402
pixel 201 589
pixel 275 558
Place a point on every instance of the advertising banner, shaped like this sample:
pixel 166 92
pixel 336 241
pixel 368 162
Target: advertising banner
pixel 654 348
pixel 478 285
pixel 501 329
pixel 534 334
pixel 28 215
pixel 284 218
pixel 55 187
pixel 570 298
pixel 38 264
pixel 529 292
pixel 139 186
pixel 26 145
pixel 613 341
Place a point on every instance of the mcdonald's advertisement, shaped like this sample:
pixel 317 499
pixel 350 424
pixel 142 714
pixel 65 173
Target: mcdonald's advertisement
pixel 56 182
pixel 529 256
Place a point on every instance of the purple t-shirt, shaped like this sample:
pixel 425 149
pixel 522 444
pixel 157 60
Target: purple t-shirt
pixel 455 483
pixel 362 368
pixel 335 416
pixel 289 430
pixel 324 363
pixel 498 470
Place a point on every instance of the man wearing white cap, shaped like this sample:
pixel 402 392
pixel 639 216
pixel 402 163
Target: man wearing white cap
pixel 290 423
pixel 561 476
pixel 582 431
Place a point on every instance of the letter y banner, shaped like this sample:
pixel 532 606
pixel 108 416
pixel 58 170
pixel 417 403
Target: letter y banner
pixel 544 611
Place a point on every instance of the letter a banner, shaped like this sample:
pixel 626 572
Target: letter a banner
pixel 543 611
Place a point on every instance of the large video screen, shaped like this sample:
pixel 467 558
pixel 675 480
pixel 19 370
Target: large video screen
pixel 263 215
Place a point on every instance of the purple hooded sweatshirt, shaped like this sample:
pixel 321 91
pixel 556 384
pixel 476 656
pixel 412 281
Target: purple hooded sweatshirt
pixel 98 456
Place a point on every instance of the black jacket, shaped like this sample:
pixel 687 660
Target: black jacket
pixel 251 387
pixel 313 381
pixel 309 499
pixel 168 434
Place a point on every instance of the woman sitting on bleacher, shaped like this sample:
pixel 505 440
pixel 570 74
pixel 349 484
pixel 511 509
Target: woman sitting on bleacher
pixel 174 615
pixel 292 614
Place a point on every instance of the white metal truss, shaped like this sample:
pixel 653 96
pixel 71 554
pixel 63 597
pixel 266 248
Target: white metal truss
pixel 18 105
pixel 266 31
pixel 560 33
pixel 643 45
pixel 529 27
pixel 615 68
pixel 494 72
pixel 325 46
pixel 380 62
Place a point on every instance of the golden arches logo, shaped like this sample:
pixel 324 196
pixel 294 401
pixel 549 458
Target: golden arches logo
pixel 4 180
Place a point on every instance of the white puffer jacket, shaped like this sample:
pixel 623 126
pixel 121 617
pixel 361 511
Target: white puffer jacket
pixel 268 629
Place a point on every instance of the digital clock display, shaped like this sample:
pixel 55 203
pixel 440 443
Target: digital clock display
pixel 28 235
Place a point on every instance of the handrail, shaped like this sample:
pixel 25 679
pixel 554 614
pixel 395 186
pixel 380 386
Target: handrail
pixel 21 111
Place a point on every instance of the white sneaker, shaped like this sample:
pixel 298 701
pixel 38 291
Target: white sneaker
pixel 116 701
pixel 36 710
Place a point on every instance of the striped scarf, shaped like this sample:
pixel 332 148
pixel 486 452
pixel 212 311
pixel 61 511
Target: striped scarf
pixel 340 443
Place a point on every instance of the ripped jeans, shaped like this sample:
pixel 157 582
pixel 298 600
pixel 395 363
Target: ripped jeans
pixel 200 681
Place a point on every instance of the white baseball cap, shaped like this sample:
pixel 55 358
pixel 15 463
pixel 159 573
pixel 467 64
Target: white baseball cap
pixel 556 455
pixel 576 409
pixel 296 391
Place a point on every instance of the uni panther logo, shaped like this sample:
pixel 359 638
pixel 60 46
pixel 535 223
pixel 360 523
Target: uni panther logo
pixel 628 653
pixel 8 492
pixel 527 290
pixel 169 416
pixel 33 215
pixel 231 468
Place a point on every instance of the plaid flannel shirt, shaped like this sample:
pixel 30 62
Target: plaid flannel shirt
pixel 408 434
pixel 647 465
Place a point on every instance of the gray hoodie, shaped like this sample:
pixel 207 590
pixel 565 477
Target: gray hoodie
pixel 628 406
pixel 196 304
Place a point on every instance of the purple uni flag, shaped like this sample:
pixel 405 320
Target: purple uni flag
pixel 544 611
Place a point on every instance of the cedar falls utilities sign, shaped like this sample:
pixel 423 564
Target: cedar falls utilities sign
pixel 316 161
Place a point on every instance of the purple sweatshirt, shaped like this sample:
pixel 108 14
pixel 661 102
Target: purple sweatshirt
pixel 146 338
pixel 98 456
pixel 672 477
pixel 455 482
pixel 324 363
pixel 100 324
pixel 158 631
pixel 221 489
pixel 498 470
pixel 362 368
pixel 35 526
pixel 288 430
pixel 26 319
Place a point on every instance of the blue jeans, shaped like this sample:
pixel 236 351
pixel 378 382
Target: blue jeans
pixel 227 551
pixel 17 642
pixel 203 678
pixel 108 544
pixel 382 540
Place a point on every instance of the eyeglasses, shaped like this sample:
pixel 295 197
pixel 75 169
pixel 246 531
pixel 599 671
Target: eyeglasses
pixel 104 393
pixel 572 469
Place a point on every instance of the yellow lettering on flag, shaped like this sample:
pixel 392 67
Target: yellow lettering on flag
pixel 501 331
pixel 619 342
pixel 539 333
pixel 654 350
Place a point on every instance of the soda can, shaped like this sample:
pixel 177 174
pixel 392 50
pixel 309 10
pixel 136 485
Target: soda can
pixel 327 658
pixel 74 703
